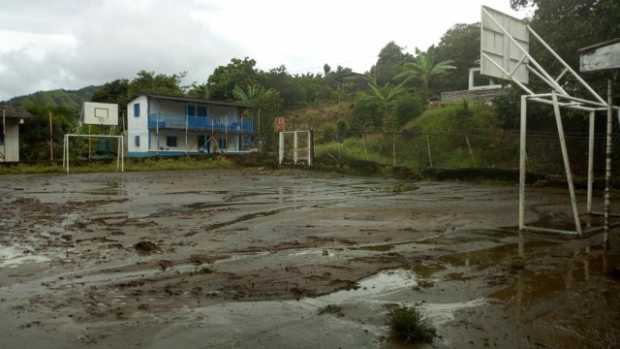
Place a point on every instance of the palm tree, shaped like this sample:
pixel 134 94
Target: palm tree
pixel 253 96
pixel 385 95
pixel 425 69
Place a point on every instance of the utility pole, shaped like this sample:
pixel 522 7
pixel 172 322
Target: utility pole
pixel 51 133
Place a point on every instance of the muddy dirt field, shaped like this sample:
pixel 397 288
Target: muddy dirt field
pixel 247 259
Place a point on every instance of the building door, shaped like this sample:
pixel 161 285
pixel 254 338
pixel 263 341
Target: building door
pixel 203 144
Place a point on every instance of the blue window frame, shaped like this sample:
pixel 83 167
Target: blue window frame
pixel 202 111
pixel 136 141
pixel 136 110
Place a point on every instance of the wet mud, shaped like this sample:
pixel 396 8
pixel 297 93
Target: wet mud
pixel 201 259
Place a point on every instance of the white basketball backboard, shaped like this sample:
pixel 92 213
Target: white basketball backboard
pixel 100 114
pixel 500 57
pixel 601 57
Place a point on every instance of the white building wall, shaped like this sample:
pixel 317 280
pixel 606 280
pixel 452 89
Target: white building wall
pixel 168 111
pixel 138 126
pixel 11 142
pixel 192 141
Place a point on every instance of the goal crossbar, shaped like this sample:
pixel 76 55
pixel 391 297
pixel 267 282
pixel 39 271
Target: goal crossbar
pixel 120 153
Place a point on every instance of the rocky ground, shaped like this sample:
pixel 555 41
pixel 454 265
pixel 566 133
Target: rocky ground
pixel 250 258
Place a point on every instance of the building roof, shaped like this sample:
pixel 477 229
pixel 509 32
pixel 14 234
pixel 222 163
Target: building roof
pixel 599 45
pixel 197 100
pixel 14 111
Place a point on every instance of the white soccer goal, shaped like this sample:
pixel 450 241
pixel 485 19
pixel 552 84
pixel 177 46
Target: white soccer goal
pixel 120 152
pixel 295 147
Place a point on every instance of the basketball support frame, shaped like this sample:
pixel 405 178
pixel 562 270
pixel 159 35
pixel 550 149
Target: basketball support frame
pixel 120 154
pixel 559 99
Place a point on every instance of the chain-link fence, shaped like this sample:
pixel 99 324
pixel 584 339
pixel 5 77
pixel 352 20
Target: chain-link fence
pixel 485 149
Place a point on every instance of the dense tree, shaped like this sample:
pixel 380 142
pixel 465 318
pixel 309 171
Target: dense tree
pixel 116 91
pixel 239 72
pixel 199 91
pixel 390 62
pixel 461 45
pixel 36 135
pixel 150 82
pixel 262 102
pixel 568 25
pixel 343 82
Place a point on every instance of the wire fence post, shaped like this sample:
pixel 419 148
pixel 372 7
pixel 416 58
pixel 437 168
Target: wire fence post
pixel 428 149
pixel 471 152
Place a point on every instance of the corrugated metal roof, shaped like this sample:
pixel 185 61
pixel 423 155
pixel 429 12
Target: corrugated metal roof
pixel 599 45
pixel 197 100
pixel 13 111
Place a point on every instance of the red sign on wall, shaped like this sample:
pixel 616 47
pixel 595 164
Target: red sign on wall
pixel 280 124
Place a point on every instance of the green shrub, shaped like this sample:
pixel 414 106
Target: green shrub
pixel 408 326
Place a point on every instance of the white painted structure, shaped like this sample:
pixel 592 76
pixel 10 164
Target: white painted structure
pixel 600 57
pixel 505 54
pixel 504 41
pixel 11 118
pixel 174 126
pixel 66 149
pixel 295 152
pixel 99 114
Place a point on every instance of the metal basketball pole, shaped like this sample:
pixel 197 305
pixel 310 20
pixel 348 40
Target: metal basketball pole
pixel 608 153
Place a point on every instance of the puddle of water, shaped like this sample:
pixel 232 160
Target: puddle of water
pixel 315 252
pixel 490 257
pixel 380 284
pixel 534 286
pixel 12 257
pixel 442 313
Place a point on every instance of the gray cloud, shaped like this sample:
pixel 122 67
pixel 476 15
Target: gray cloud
pixel 106 40
pixel 47 44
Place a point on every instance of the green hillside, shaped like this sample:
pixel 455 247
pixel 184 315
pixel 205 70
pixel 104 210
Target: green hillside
pixel 65 99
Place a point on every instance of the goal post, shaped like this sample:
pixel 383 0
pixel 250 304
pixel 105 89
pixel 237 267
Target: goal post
pixel 296 147
pixel 120 149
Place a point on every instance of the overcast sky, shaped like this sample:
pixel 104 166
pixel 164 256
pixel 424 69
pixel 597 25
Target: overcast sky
pixel 74 43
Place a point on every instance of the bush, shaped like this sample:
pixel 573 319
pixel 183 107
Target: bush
pixel 408 326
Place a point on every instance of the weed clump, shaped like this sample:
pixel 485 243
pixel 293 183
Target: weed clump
pixel 331 309
pixel 408 326
pixel 402 188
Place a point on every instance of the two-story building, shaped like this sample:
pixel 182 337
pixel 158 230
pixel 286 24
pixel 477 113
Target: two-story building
pixel 174 126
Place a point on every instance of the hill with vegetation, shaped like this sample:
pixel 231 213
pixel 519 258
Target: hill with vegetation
pixel 65 99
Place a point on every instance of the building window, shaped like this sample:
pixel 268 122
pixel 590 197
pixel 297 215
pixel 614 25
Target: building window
pixel 136 141
pixel 202 111
pixel 136 110
pixel 191 110
pixel 171 141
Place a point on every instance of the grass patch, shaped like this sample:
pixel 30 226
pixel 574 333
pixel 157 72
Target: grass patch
pixel 131 165
pixel 408 326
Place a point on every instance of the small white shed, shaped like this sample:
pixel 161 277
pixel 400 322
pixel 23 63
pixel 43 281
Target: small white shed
pixel 11 117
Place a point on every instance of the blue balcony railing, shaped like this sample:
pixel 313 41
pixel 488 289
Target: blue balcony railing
pixel 162 121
